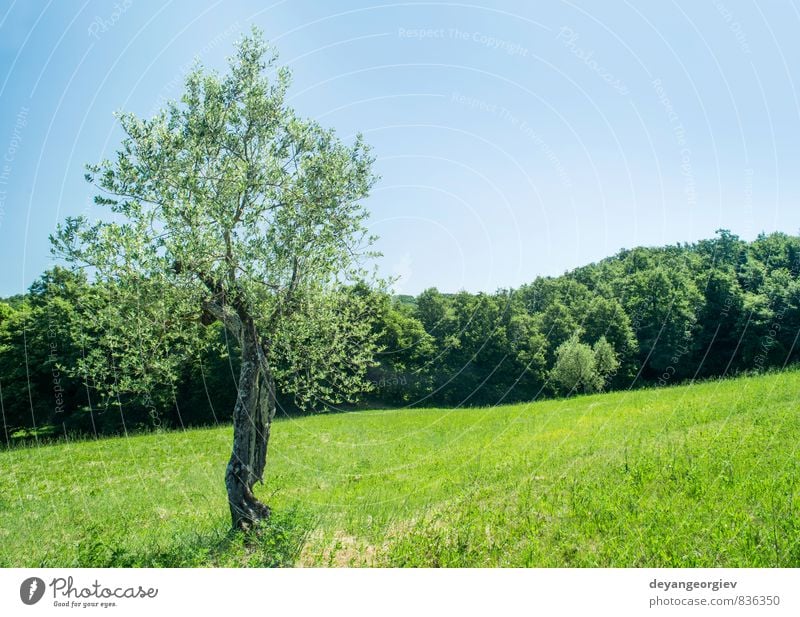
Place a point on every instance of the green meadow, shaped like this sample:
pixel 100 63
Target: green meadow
pixel 700 475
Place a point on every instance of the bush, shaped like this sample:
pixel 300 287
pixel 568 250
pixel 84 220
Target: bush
pixel 576 367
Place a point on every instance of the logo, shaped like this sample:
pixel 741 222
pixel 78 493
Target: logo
pixel 96 594
pixel 31 590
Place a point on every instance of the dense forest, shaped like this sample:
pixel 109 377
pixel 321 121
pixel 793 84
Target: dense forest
pixel 644 317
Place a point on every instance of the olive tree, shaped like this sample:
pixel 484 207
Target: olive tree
pixel 606 360
pixel 226 206
pixel 575 368
pixel 579 367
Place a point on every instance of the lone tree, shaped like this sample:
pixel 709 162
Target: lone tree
pixel 575 368
pixel 227 207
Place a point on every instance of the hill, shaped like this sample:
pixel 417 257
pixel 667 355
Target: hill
pixel 672 314
pixel 698 475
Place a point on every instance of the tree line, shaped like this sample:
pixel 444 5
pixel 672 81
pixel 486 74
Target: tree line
pixel 644 317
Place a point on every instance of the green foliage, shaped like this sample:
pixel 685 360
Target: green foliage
pixel 37 346
pixel 606 361
pixel 720 307
pixel 487 348
pixel 664 299
pixel 402 371
pixel 226 206
pixel 576 368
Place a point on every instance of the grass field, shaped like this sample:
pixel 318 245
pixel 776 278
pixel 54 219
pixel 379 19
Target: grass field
pixel 701 475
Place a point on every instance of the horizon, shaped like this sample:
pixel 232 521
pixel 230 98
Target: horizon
pixel 397 294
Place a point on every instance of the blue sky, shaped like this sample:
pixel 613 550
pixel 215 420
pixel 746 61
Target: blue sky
pixel 514 139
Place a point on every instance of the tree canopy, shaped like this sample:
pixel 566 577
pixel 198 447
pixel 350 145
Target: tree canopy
pixel 736 308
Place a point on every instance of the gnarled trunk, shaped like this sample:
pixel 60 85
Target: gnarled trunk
pixel 252 418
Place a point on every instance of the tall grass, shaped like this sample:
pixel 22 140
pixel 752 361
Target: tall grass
pixel 700 475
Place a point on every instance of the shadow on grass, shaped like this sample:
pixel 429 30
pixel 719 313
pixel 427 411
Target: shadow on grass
pixel 277 542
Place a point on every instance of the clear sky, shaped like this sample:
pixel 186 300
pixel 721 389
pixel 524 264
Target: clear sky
pixel 513 138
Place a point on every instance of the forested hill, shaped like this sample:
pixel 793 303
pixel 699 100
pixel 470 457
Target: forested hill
pixel 646 316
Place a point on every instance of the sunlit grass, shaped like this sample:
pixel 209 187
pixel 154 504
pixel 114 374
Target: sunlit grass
pixel 702 475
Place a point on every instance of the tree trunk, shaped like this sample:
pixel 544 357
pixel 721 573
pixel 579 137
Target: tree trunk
pixel 252 417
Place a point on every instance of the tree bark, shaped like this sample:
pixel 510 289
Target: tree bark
pixel 252 418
